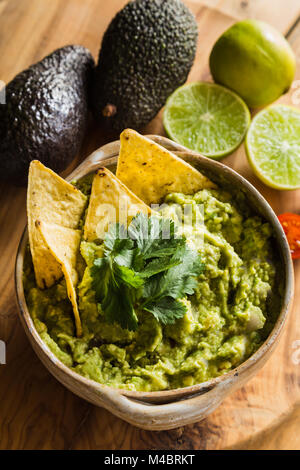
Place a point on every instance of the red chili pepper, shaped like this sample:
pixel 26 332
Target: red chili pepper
pixel 291 226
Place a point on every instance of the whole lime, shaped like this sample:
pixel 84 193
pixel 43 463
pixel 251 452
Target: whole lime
pixel 255 60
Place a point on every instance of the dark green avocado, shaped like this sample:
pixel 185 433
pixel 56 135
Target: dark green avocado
pixel 146 53
pixel 45 114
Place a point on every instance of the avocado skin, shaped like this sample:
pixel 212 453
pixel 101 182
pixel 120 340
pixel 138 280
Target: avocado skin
pixel 146 53
pixel 46 113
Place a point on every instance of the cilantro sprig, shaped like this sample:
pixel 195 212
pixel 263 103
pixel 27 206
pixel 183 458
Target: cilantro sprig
pixel 147 267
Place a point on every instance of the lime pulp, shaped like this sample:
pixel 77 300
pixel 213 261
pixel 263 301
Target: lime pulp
pixel 206 118
pixel 273 146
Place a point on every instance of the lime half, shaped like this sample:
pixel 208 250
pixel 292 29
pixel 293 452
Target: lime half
pixel 207 118
pixel 273 146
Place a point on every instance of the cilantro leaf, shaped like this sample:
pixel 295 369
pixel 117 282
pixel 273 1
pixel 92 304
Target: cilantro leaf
pixel 157 265
pixel 179 280
pixel 101 277
pixel 127 276
pixel 166 310
pixel 148 268
pixel 116 244
pixel 119 308
pixel 163 291
pixel 155 237
pixel 112 286
pixel 113 279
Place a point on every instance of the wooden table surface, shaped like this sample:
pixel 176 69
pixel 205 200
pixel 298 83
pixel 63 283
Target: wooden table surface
pixel 36 412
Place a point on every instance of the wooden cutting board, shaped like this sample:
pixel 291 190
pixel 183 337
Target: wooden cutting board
pixel 36 412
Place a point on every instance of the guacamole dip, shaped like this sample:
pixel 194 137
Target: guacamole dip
pixel 228 317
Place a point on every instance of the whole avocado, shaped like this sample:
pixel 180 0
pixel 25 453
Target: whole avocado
pixel 45 114
pixel 146 53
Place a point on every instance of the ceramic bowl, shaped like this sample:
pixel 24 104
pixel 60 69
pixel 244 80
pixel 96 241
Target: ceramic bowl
pixel 170 408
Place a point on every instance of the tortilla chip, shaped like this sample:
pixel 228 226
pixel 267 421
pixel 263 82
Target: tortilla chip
pixel 152 172
pixel 63 244
pixel 51 199
pixel 110 202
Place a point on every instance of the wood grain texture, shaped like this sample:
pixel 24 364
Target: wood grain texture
pixel 280 13
pixel 36 412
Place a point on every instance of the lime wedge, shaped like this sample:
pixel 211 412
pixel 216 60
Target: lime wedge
pixel 207 118
pixel 273 146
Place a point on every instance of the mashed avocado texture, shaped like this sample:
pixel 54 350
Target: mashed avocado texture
pixel 228 317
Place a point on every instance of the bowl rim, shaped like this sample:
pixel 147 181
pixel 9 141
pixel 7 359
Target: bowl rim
pixel 195 389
